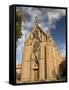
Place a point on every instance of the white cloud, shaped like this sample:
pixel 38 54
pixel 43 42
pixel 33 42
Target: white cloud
pixel 55 15
pixel 47 16
pixel 46 30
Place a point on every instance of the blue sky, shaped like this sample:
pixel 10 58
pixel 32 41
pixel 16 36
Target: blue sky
pixel 50 20
pixel 59 35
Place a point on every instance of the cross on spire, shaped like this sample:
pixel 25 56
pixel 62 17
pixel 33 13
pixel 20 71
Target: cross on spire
pixel 36 20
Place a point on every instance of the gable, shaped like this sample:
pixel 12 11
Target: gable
pixel 36 33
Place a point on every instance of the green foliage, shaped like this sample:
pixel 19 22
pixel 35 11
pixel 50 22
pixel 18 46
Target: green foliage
pixel 18 25
pixel 62 71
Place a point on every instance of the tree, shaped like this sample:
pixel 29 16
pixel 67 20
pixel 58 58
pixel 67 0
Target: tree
pixel 18 25
pixel 63 70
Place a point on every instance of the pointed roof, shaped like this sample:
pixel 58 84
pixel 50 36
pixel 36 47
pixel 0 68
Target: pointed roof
pixel 37 26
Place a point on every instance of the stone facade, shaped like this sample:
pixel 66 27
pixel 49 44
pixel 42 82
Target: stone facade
pixel 41 57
